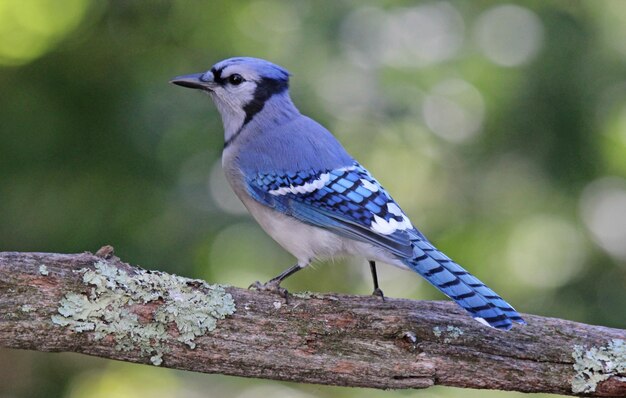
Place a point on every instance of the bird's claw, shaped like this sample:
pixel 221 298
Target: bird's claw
pixel 379 293
pixel 272 287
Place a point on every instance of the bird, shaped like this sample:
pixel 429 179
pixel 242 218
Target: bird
pixel 313 198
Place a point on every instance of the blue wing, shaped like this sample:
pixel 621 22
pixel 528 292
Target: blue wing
pixel 351 203
pixel 347 201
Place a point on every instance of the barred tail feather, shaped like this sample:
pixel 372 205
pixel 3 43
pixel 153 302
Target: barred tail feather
pixel 461 286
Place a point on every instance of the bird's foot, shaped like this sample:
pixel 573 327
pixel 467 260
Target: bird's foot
pixel 272 286
pixel 379 293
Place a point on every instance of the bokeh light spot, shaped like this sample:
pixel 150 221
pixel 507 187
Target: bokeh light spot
pixel 545 251
pixel 29 29
pixel 454 110
pixel 610 21
pixel 406 37
pixel 509 35
pixel 603 208
pixel 423 35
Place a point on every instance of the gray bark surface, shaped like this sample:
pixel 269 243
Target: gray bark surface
pixel 320 338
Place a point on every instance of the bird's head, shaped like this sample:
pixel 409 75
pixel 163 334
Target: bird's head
pixel 240 88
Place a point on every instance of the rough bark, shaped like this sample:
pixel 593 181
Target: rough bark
pixel 314 338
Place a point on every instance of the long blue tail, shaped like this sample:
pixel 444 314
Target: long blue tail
pixel 481 302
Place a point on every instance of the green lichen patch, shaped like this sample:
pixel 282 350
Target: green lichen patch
pixel 43 270
pixel 450 333
pixel 26 308
pixel 597 364
pixel 191 307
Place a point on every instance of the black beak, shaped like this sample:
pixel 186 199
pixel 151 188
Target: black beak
pixel 201 81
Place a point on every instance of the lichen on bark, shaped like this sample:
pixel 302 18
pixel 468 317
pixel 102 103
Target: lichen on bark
pixel 597 364
pixel 193 307
pixel 449 333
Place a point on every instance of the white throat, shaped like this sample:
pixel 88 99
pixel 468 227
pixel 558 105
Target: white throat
pixel 233 116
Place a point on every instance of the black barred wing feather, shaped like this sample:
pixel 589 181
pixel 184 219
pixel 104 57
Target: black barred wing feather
pixel 348 201
pixel 351 203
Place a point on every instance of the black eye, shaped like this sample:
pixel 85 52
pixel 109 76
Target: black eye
pixel 235 79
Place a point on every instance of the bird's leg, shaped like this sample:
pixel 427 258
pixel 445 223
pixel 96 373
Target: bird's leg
pixel 377 291
pixel 273 285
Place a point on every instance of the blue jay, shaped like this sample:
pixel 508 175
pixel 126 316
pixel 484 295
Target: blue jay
pixel 312 197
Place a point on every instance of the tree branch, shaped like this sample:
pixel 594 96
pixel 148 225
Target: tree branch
pixel 98 305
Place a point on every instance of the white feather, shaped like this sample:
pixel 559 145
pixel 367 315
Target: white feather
pixel 394 209
pixel 369 186
pixel 379 225
pixel 483 321
pixel 304 188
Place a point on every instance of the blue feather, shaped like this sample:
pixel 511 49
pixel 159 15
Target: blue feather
pixel 461 286
pixel 348 203
pixel 333 206
pixel 292 164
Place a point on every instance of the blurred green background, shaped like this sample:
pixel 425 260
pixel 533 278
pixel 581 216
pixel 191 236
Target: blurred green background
pixel 500 128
